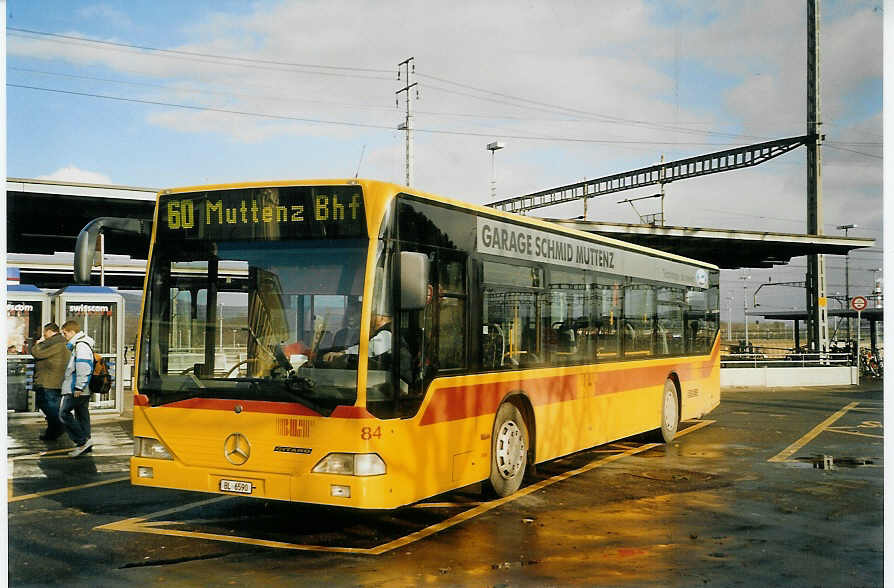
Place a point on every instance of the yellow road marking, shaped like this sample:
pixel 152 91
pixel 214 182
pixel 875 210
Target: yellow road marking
pixel 39 455
pixel 61 490
pixel 444 504
pixel 126 454
pixel 840 430
pixel 486 506
pixel 53 453
pixel 807 438
pixel 143 525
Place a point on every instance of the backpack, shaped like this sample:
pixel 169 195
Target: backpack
pixel 100 380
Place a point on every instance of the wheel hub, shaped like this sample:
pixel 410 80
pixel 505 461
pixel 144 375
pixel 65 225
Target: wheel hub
pixel 510 450
pixel 670 410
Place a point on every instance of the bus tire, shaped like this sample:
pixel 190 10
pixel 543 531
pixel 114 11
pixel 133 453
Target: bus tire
pixel 670 413
pixel 509 450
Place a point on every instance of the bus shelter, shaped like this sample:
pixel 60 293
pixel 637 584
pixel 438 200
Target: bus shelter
pixel 27 310
pixel 100 312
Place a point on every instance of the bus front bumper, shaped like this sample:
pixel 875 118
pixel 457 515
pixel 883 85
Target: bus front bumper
pixel 369 492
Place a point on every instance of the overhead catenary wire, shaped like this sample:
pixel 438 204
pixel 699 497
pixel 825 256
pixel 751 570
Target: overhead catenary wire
pixel 246 61
pixel 854 151
pixel 289 99
pixel 265 64
pixel 242 62
pixel 249 60
pixel 362 125
pixel 729 212
pixel 340 70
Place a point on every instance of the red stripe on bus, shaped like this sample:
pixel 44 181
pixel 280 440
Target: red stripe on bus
pixel 247 405
pixel 700 369
pixel 450 404
pixel 140 400
pixel 351 412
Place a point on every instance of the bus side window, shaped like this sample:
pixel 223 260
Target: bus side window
pixel 512 320
pixel 451 312
pixel 608 309
pixel 639 330
pixel 669 320
pixel 570 338
pixel 699 335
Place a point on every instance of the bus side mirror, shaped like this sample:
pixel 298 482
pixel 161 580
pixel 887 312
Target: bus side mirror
pixel 414 269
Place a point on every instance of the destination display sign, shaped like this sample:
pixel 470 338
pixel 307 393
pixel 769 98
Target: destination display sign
pixel 271 213
pixel 513 241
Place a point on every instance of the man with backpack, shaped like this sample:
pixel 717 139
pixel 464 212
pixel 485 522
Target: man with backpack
pixel 75 388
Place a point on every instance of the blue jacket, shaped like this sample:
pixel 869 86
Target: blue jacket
pixel 80 365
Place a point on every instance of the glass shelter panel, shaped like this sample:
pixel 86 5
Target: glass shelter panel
pixel 23 325
pixel 23 329
pixel 98 321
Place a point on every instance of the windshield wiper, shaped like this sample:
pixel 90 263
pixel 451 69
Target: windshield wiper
pixel 291 388
pixel 295 388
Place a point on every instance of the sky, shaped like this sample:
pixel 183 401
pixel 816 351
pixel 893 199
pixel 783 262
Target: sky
pixel 162 94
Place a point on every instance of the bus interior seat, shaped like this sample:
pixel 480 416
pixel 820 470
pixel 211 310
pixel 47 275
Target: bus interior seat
pixel 345 337
pixel 326 340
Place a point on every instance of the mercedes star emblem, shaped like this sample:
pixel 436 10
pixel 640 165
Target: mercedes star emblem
pixel 237 449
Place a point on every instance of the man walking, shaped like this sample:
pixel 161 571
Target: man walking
pixel 75 393
pixel 50 358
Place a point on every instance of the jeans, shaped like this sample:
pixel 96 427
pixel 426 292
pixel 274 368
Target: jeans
pixel 47 401
pixel 78 424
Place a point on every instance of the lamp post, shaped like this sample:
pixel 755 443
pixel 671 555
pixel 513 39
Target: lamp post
pixel 876 287
pixel 847 288
pixel 729 318
pixel 745 279
pixel 493 148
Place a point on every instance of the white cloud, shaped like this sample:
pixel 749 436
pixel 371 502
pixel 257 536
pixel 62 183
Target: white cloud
pixel 70 173
pixel 104 12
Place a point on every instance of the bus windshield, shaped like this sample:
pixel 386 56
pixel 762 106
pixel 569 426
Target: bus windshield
pixel 246 320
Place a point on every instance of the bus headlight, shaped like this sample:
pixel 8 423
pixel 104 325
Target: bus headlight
pixel 351 464
pixel 148 447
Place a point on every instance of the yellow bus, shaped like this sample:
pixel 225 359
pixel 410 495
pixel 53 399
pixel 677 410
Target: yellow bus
pixel 363 344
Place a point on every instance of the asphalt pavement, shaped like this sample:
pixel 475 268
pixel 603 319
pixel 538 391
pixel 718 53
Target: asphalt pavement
pixel 774 487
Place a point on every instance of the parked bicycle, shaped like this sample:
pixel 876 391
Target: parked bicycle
pixel 870 365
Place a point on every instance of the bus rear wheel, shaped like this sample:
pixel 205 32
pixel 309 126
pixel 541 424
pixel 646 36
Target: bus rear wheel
pixel 670 413
pixel 509 450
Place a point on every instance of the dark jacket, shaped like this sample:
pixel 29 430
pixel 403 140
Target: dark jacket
pixel 50 358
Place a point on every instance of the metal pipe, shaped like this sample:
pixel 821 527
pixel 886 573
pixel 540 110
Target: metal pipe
pixel 85 247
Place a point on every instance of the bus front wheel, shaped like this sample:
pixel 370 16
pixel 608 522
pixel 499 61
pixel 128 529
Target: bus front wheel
pixel 670 412
pixel 509 450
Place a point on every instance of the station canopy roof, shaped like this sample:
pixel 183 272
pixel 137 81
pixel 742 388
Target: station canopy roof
pixel 728 249
pixel 44 218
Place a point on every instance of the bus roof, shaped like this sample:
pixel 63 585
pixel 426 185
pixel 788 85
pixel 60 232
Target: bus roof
pixel 486 210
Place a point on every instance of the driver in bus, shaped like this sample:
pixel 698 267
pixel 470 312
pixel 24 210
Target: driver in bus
pixel 379 341
pixel 379 352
